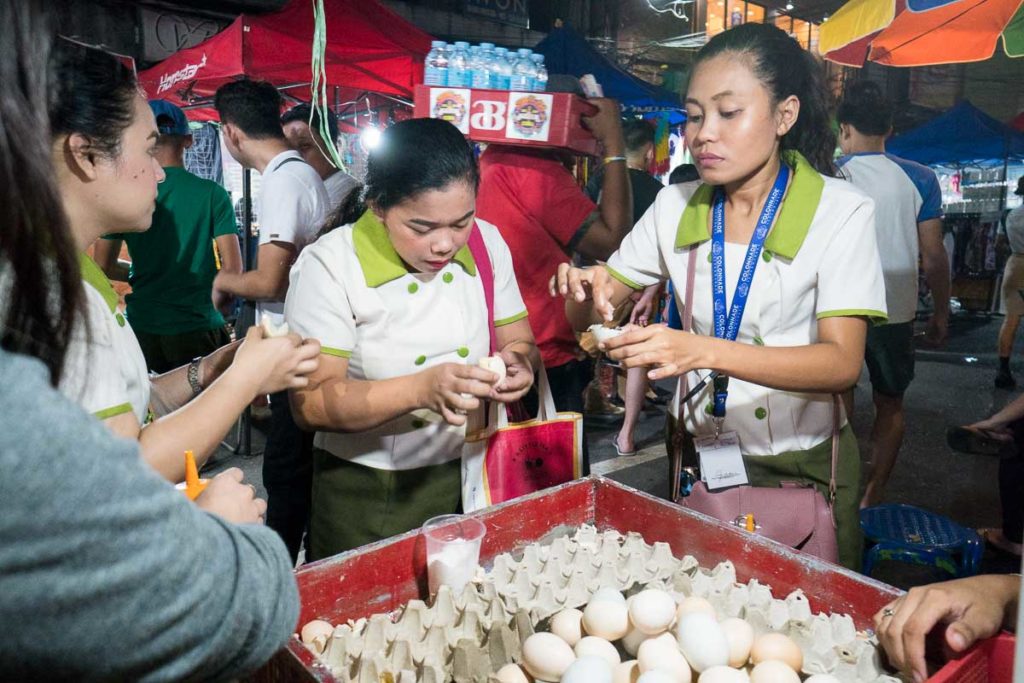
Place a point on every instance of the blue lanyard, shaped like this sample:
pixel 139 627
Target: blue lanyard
pixel 729 327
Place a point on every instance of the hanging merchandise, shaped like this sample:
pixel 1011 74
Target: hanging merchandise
pixel 318 85
pixel 662 153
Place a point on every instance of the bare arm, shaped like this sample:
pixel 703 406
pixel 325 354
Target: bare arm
pixel 615 207
pixel 268 282
pixel 230 262
pixel 591 294
pixel 935 264
pixel 106 254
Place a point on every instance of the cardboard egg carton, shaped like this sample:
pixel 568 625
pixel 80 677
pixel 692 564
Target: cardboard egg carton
pixel 466 638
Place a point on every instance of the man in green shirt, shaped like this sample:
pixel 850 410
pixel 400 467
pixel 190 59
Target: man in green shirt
pixel 173 307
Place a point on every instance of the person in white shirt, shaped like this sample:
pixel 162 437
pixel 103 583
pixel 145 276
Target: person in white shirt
pixel 908 226
pixel 292 206
pixel 758 127
pixel 305 135
pixel 395 296
pixel 1012 290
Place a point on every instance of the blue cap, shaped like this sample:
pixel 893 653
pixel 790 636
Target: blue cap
pixel 170 120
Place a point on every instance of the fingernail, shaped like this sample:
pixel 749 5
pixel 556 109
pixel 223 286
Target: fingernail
pixel 918 677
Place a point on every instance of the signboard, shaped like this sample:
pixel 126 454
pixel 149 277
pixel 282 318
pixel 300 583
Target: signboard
pixel 514 12
pixel 164 33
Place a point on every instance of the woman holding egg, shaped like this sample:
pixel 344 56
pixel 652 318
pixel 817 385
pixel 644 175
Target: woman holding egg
pixel 396 298
pixel 786 271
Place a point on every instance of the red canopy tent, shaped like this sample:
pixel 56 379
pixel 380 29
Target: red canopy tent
pixel 369 49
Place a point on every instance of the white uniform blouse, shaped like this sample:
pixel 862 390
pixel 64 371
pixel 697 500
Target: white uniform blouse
pixel 351 291
pixel 820 260
pixel 105 371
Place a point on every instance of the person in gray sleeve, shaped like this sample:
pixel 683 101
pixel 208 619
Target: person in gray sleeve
pixel 106 571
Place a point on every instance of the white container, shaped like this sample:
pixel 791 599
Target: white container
pixel 453 551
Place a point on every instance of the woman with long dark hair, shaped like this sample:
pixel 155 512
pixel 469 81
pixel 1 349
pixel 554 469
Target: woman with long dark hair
pixel 786 271
pixel 396 299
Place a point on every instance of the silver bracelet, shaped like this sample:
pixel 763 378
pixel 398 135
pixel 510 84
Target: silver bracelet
pixel 193 376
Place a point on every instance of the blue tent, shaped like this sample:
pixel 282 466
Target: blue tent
pixel 566 52
pixel 964 135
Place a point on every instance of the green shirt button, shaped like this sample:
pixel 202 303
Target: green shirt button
pixel 766 255
pixel 759 341
pixel 709 409
pixel 120 319
pixel 421 360
pixel 413 288
pixel 760 413
pixel 419 424
pixel 463 352
pixel 447 277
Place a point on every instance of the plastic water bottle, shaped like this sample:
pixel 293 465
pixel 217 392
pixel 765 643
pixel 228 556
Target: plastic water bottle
pixel 480 67
pixel 458 66
pixel 522 73
pixel 436 68
pixel 502 68
pixel 540 79
pixel 490 65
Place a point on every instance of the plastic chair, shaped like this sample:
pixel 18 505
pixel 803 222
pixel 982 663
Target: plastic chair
pixel 909 534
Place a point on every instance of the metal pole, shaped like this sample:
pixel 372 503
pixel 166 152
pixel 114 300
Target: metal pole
pixel 248 312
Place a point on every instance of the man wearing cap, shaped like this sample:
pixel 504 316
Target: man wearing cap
pixel 173 308
pixel 1013 290
pixel 308 141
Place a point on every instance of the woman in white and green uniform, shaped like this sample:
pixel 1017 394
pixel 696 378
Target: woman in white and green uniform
pixel 772 230
pixel 396 299
pixel 104 135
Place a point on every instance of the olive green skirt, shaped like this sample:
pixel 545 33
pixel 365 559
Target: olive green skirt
pixel 354 504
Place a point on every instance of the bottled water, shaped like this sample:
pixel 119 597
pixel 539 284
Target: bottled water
pixel 540 79
pixel 436 68
pixel 480 66
pixel 523 73
pixel 502 69
pixel 458 66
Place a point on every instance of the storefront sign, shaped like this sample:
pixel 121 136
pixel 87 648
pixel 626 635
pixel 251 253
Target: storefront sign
pixel 514 12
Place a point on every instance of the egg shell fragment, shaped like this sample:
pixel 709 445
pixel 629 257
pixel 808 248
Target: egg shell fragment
pixel 740 636
pixel 773 671
pixel 652 611
pixel 316 633
pixel 777 646
pixel 592 646
pixel 512 673
pixel 588 669
pixel 606 619
pixel 568 625
pixel 603 334
pixel 546 656
pixel 702 641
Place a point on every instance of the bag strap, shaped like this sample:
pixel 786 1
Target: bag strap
pixel 483 265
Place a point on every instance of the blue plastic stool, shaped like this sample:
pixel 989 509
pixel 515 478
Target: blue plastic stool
pixel 909 534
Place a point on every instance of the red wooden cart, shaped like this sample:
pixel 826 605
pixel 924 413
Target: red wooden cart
pixel 382 577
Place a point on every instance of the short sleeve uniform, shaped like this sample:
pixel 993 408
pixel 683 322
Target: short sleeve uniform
pixel 352 292
pixel 292 208
pixel 539 209
pixel 105 371
pixel 905 193
pixel 820 260
pixel 339 185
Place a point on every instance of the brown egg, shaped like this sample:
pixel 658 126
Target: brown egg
pixel 779 647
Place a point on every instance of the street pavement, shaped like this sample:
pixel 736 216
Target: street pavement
pixel 953 386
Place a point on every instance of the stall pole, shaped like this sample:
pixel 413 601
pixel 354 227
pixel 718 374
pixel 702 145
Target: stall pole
pixel 246 318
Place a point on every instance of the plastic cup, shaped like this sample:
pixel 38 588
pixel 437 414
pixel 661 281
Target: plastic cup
pixel 453 551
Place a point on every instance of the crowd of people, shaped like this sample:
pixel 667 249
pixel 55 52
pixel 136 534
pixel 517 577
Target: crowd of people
pixel 379 283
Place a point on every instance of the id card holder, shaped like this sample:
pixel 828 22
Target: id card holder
pixel 721 462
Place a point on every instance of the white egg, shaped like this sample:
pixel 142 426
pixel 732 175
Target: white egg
pixel 777 646
pixel 608 594
pixel 592 646
pixel 656 676
pixel 626 672
pixel 494 364
pixel 773 671
pixel 662 653
pixel 546 656
pixel 740 636
pixel 568 625
pixel 512 673
pixel 603 334
pixel 652 611
pixel 702 641
pixel 606 619
pixel 723 674
pixel 817 678
pixel 631 641
pixel 694 604
pixel 315 634
pixel 588 670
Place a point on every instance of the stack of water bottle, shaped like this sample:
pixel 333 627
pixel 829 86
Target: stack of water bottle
pixel 485 66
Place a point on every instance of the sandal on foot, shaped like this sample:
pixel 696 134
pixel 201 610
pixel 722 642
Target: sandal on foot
pixel 996 539
pixel 619 451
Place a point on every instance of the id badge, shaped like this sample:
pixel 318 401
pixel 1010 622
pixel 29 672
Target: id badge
pixel 721 462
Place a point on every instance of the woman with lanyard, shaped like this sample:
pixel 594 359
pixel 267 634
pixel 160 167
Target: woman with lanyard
pixel 786 272
pixel 103 135
pixel 396 298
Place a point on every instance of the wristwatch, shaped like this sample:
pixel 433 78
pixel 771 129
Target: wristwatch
pixel 193 376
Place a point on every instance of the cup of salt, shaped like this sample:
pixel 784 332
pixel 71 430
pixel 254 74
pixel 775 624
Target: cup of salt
pixel 453 551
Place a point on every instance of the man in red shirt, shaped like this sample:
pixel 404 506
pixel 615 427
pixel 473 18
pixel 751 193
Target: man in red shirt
pixel 545 216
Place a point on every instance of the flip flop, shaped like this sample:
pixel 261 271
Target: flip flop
pixel 995 538
pixel 619 451
pixel 976 441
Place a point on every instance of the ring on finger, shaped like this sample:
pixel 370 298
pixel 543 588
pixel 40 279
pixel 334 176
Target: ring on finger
pixel 888 612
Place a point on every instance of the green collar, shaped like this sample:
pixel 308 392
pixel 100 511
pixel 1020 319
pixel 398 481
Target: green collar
pixel 379 260
pixel 95 278
pixel 791 226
